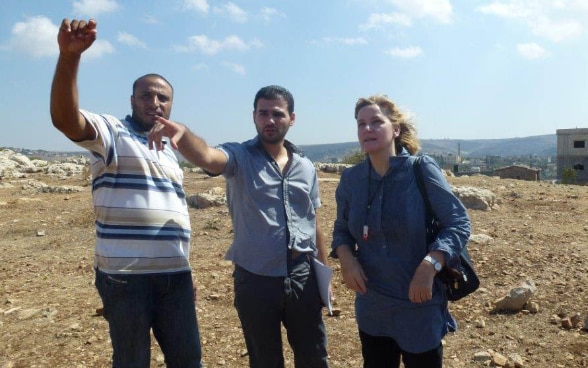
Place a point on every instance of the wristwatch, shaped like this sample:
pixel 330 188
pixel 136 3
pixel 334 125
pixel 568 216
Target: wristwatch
pixel 434 262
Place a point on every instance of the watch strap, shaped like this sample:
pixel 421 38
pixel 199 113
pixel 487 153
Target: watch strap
pixel 436 264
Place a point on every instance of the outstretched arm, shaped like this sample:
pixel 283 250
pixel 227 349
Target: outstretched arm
pixel 73 38
pixel 191 146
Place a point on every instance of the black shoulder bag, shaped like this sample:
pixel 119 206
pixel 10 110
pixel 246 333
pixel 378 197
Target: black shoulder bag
pixel 460 280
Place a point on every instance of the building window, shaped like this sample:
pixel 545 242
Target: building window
pixel 579 144
pixel 578 167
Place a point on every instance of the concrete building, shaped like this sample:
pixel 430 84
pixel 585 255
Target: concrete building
pixel 572 153
pixel 520 172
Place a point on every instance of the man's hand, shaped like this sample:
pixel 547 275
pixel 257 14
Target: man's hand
pixel 165 128
pixel 76 36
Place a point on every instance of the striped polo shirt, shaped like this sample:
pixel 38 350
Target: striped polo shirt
pixel 142 221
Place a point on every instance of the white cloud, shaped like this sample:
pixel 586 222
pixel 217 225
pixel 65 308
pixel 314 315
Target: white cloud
pixel 198 5
pixel 150 19
pixel 532 51
pixel 405 53
pixel 232 11
pixel 348 41
pixel 268 14
pixel 130 40
pixel 378 21
pixel 556 31
pixel 508 10
pixel 581 5
pixel 98 48
pixel 557 20
pixel 211 47
pixel 440 10
pixel 93 8
pixel 236 68
pixel 198 67
pixel 256 43
pixel 36 37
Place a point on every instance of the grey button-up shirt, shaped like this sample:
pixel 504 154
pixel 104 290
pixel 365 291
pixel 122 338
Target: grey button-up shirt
pixel 271 211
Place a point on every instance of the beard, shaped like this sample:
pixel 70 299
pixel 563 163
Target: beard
pixel 276 136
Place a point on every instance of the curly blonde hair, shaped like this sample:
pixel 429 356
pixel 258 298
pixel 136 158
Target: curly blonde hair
pixel 408 134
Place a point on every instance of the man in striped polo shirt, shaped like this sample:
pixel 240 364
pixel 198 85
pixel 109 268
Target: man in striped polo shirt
pixel 142 253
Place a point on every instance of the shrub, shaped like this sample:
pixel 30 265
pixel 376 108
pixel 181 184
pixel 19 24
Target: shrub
pixel 354 158
pixel 568 176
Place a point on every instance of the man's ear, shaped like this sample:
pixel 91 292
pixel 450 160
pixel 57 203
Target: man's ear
pixel 292 118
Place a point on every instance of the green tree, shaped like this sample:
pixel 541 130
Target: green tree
pixel 568 176
pixel 354 158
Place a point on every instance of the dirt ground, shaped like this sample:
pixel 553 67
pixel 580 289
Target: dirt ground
pixel 48 303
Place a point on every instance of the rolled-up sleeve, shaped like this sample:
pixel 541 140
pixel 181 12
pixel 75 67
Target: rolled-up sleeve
pixel 341 233
pixel 455 227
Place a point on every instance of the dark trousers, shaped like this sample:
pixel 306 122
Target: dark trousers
pixel 384 352
pixel 265 303
pixel 136 304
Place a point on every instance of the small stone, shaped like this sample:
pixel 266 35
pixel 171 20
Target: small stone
pixel 554 319
pixel 482 356
pixel 99 311
pixel 567 323
pixel 499 360
pixel 575 320
pixel 335 312
pixel 517 360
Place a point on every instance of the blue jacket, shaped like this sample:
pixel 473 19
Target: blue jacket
pixel 397 244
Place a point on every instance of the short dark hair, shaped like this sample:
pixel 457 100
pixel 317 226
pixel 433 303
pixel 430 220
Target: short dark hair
pixel 272 93
pixel 151 75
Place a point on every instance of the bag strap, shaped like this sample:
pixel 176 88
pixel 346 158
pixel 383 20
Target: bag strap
pixel 431 220
pixel 418 174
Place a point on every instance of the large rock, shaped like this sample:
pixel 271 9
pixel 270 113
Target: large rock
pixel 516 298
pixel 475 198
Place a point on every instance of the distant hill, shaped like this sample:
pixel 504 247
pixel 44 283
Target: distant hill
pixel 540 145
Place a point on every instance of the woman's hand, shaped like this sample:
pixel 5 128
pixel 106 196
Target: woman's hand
pixel 420 289
pixel 351 270
pixel 353 275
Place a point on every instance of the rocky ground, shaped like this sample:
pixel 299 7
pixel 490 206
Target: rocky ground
pixel 537 232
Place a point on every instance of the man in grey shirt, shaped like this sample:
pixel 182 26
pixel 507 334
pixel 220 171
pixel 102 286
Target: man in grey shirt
pixel 273 196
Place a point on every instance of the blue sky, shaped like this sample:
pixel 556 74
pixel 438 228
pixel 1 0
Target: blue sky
pixel 467 69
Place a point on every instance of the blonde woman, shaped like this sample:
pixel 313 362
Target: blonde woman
pixel 380 239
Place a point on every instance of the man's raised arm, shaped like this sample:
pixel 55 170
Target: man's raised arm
pixel 73 38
